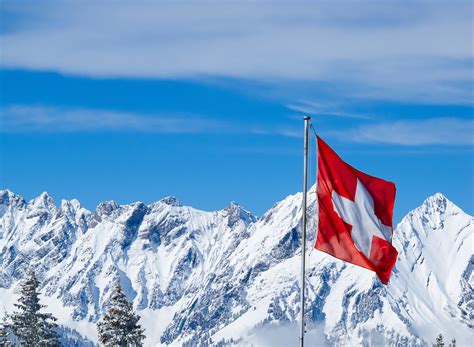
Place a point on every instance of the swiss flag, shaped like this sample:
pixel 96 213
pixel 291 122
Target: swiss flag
pixel 355 214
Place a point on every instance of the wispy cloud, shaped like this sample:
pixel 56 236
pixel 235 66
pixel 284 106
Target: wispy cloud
pixel 22 118
pixel 26 118
pixel 387 50
pixel 320 109
pixel 46 119
pixel 434 131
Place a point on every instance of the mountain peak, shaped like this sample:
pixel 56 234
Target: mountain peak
pixel 107 207
pixel 236 212
pixel 43 200
pixel 438 197
pixel 438 202
pixel 233 204
pixel 432 214
pixel 44 196
pixel 5 192
pixel 70 205
pixel 171 200
pixel 7 197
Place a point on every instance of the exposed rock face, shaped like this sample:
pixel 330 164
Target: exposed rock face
pixel 221 274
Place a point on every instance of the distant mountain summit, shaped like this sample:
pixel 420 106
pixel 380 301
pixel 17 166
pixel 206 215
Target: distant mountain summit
pixel 226 276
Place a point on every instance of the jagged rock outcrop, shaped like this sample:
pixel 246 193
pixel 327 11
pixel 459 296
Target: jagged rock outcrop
pixel 196 275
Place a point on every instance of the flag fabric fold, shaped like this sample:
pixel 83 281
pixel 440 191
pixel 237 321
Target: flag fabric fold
pixel 355 214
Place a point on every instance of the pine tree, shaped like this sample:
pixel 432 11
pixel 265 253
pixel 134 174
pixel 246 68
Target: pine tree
pixel 439 341
pixel 119 326
pixel 3 333
pixel 28 324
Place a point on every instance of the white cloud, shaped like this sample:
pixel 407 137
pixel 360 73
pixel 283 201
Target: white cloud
pixel 433 131
pixel 20 118
pixel 27 118
pixel 417 51
pixel 319 109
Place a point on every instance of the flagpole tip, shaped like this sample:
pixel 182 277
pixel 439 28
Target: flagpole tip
pixel 306 118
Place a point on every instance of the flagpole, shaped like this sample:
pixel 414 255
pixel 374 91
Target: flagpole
pixel 303 231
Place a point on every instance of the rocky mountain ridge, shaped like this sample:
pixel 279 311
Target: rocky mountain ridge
pixel 198 276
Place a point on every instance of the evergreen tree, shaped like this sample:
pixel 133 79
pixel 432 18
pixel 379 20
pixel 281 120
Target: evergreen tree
pixel 119 326
pixel 28 324
pixel 3 333
pixel 439 341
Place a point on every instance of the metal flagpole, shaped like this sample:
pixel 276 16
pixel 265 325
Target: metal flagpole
pixel 303 231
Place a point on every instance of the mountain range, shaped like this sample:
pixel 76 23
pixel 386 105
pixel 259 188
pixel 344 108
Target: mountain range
pixel 229 278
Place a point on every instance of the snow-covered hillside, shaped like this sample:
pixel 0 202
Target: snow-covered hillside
pixel 197 276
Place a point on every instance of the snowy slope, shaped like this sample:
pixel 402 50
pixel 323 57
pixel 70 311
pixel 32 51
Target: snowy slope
pixel 197 276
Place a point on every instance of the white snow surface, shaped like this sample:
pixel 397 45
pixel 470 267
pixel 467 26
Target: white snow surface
pixel 227 276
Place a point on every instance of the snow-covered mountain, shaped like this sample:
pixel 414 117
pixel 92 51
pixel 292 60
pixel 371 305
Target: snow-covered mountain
pixel 223 276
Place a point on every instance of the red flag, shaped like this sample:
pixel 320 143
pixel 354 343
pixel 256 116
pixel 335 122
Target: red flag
pixel 355 214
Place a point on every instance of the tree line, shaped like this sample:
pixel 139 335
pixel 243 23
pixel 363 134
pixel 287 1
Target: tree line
pixel 29 326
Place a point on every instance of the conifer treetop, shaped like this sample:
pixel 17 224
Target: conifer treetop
pixel 30 326
pixel 119 326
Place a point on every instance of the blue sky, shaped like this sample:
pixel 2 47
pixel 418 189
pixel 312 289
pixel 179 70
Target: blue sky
pixel 204 101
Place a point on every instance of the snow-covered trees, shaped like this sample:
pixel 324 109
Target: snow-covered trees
pixel 29 326
pixel 3 333
pixel 119 326
pixel 440 342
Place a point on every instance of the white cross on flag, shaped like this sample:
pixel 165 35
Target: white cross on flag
pixel 355 214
